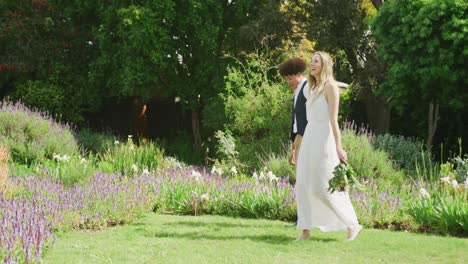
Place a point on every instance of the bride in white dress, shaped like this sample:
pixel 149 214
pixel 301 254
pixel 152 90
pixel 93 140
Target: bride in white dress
pixel 320 152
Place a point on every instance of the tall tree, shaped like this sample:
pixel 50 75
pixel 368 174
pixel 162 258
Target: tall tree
pixel 341 26
pixel 424 45
pixel 170 47
pixel 44 56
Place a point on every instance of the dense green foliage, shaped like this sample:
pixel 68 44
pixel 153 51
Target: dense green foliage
pixel 256 109
pixel 404 152
pixel 367 162
pixel 424 45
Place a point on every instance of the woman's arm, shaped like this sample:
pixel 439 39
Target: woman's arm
pixel 332 95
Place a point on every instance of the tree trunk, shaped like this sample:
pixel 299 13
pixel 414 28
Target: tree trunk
pixel 433 118
pixel 378 111
pixel 377 3
pixel 196 128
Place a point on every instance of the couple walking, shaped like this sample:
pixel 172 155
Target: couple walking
pixel 316 148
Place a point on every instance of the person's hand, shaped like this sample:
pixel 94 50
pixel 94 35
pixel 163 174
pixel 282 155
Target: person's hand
pixel 342 155
pixel 293 157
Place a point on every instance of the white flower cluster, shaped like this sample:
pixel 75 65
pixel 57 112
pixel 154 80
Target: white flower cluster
pixel 204 197
pixel 64 158
pixel 270 176
pixel 196 176
pixel 454 182
pixel 234 170
pixel 424 193
pixel 217 171
pixel 134 168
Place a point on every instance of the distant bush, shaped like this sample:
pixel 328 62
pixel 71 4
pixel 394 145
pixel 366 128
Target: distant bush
pixel 404 152
pixel 33 136
pixel 279 164
pixel 91 141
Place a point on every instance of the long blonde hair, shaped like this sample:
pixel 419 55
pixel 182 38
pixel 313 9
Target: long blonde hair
pixel 316 86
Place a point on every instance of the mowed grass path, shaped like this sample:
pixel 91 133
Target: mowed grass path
pixel 215 239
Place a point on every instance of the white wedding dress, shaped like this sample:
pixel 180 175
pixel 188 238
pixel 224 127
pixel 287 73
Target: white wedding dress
pixel 316 207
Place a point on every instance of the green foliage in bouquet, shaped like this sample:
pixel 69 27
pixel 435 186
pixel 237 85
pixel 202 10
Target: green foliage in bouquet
pixel 343 177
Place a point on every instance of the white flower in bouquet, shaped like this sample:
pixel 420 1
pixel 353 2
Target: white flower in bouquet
pixel 146 171
pixel 424 193
pixel 83 161
pixel 455 184
pixel 445 179
pixel 132 147
pixel 134 168
pixel 116 142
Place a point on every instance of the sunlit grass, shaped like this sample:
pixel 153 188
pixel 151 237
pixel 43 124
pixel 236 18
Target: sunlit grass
pixel 215 239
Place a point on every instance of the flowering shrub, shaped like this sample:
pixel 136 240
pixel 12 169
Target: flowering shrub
pixel 366 161
pixel 381 204
pixel 33 136
pixel 130 159
pixel 196 191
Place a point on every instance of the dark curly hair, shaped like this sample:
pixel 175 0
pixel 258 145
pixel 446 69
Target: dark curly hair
pixel 292 66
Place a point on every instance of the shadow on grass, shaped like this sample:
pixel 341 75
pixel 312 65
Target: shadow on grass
pixel 203 235
pixel 272 239
pixel 216 224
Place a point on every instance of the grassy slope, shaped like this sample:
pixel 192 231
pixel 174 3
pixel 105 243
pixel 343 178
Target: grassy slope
pixel 215 239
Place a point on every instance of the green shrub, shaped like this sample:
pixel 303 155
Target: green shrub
pixel 33 136
pixel 444 210
pixel 279 163
pixel 461 168
pixel 94 142
pixel 404 152
pixel 367 161
pixel 182 149
pixel 255 108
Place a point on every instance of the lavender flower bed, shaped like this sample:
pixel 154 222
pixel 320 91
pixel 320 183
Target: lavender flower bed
pixel 27 222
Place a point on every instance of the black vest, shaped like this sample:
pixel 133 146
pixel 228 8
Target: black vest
pixel 299 110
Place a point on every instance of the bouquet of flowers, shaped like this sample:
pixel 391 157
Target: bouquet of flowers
pixel 343 177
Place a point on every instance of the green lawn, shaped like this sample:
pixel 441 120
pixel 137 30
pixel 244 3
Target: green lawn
pixel 215 239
